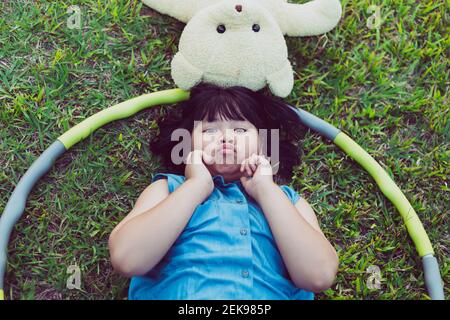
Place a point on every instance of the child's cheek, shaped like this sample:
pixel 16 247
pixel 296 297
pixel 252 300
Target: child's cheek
pixel 246 147
pixel 209 149
pixel 242 154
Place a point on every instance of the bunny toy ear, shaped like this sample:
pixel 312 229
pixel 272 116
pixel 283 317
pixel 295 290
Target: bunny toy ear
pixel 184 73
pixel 182 10
pixel 308 19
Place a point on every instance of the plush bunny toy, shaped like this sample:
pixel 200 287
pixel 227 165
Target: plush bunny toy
pixel 241 42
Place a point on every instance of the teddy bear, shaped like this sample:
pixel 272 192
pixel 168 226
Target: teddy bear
pixel 241 42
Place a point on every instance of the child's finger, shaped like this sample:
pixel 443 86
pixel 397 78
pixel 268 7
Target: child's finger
pixel 247 168
pixel 262 159
pixel 243 165
pixel 194 157
pixel 255 161
pixel 189 158
pixel 251 162
pixel 266 167
pixel 197 156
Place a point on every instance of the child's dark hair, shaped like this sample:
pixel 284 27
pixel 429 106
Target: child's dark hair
pixel 260 108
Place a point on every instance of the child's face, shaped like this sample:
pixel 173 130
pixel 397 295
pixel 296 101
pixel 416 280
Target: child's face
pixel 229 142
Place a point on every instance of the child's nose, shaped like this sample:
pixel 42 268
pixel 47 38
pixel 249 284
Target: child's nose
pixel 227 136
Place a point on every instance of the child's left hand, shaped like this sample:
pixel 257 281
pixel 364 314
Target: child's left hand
pixel 259 174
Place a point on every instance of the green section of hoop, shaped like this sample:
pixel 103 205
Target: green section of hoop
pixel 120 111
pixel 390 190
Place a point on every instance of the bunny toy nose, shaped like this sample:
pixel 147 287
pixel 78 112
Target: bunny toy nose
pixel 238 8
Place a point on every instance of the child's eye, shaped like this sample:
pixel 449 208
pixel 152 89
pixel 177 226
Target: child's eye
pixel 210 130
pixel 240 130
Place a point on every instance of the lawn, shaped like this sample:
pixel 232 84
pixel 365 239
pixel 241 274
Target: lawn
pixel 385 86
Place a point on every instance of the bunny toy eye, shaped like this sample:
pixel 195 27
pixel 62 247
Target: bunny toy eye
pixel 256 27
pixel 221 28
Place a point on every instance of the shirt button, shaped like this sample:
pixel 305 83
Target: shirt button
pixel 239 201
pixel 244 273
pixel 243 232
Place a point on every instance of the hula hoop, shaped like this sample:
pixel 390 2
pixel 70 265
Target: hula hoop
pixel 16 203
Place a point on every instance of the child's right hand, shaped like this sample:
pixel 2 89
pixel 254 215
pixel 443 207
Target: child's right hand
pixel 196 169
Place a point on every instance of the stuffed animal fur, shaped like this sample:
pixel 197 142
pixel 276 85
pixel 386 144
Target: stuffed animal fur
pixel 241 42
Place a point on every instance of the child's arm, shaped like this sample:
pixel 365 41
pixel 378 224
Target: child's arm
pixel 145 235
pixel 310 259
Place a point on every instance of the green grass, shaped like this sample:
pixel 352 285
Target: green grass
pixel 387 88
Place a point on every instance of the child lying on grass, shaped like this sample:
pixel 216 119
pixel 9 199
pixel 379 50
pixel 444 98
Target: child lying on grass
pixel 219 226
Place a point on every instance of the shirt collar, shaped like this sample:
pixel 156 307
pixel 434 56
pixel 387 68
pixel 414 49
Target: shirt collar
pixel 220 183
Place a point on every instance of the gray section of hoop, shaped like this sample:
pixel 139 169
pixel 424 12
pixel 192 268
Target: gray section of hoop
pixel 432 275
pixel 16 203
pixel 316 124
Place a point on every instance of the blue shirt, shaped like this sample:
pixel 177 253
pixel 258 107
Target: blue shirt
pixel 226 251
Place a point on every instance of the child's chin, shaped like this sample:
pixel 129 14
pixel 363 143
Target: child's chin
pixel 226 168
